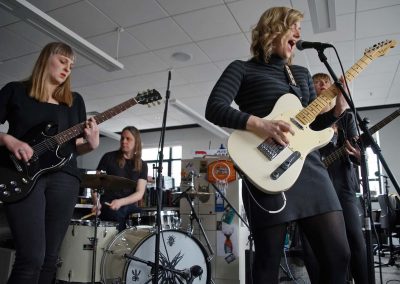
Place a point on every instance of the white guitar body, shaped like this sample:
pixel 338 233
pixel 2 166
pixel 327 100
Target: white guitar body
pixel 242 147
pixel 273 168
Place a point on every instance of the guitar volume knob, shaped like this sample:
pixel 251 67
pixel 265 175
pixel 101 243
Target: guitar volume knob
pixel 17 190
pixel 13 183
pixel 2 186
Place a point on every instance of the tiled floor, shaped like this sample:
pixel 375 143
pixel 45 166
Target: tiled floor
pixel 390 274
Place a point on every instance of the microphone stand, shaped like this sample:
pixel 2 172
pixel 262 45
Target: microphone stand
pixel 364 167
pixel 159 184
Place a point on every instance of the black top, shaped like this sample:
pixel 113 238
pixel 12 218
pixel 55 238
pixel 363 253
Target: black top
pixel 342 171
pixel 26 115
pixel 255 87
pixel 109 164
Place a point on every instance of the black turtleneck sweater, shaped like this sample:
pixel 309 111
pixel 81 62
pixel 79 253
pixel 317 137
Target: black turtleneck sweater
pixel 255 87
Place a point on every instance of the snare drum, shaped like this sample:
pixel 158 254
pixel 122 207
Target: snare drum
pixel 169 219
pixel 77 250
pixel 178 251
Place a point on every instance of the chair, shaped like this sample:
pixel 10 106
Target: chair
pixel 390 223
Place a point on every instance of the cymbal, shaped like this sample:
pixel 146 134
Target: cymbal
pixel 194 193
pixel 106 182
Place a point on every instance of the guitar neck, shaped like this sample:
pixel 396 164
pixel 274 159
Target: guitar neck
pixel 342 150
pixel 308 114
pixel 77 130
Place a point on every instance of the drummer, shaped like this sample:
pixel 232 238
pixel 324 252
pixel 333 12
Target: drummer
pixel 118 204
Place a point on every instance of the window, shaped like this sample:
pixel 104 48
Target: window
pixel 171 162
pixel 374 166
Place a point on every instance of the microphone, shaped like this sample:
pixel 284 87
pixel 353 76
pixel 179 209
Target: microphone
pixel 191 273
pixel 308 44
pixel 377 173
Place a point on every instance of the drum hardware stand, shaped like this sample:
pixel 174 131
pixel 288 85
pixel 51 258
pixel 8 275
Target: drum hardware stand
pixel 369 141
pixel 96 219
pixel 188 274
pixel 159 183
pixel 194 216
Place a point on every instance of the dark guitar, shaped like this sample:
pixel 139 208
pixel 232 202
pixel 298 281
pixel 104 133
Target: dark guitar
pixel 17 178
pixel 342 150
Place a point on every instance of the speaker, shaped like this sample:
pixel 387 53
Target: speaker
pixel 7 257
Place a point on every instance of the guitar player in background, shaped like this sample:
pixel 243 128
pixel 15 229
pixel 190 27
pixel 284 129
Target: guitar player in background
pixel 344 178
pixel 117 205
pixel 39 221
pixel 255 86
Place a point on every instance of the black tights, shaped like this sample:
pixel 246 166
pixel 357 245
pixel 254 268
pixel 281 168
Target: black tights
pixel 358 261
pixel 326 234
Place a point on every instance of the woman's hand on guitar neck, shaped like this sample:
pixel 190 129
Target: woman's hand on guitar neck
pixel 20 149
pixel 275 129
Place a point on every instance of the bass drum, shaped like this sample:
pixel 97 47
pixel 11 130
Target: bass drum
pixel 76 251
pixel 178 251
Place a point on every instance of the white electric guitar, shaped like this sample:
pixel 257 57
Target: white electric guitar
pixel 274 168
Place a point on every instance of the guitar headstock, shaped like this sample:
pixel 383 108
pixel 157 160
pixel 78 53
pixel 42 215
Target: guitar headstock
pixel 148 96
pixel 380 49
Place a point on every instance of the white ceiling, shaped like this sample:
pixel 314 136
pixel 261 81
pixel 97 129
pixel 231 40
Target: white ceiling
pixel 213 32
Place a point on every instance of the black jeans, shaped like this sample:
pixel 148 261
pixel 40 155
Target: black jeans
pixel 38 224
pixel 120 216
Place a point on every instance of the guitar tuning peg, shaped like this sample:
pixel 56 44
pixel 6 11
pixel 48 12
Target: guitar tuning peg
pixel 153 103
pixel 158 102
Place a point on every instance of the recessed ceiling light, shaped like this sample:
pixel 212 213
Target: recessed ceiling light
pixel 181 56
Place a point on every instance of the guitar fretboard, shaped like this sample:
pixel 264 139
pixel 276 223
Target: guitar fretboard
pixel 308 114
pixel 340 152
pixel 76 130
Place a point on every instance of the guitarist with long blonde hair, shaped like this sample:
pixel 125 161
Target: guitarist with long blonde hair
pixel 39 221
pixel 255 86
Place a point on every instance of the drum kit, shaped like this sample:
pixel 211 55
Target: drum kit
pixel 128 256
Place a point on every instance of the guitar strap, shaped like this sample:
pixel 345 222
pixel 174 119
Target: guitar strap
pixel 292 83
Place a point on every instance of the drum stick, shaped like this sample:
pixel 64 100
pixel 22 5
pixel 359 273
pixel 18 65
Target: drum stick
pixel 108 204
pixel 88 215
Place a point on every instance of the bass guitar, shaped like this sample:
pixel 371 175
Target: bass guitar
pixel 340 152
pixel 17 177
pixel 273 168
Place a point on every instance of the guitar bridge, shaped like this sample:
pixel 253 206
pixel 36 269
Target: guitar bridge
pixel 285 165
pixel 270 148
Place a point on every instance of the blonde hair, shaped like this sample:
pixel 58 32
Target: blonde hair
pixel 37 80
pixel 321 76
pixel 137 150
pixel 273 23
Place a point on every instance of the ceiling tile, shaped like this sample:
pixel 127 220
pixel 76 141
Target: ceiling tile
pixel 15 45
pixel 6 17
pixel 159 34
pixel 83 19
pixel 30 34
pixel 124 46
pixel 369 5
pixel 389 22
pixel 174 7
pixel 344 30
pixel 144 63
pixel 222 48
pixel 128 13
pixel 199 73
pixel 208 23
pixel 48 5
pixel 196 54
